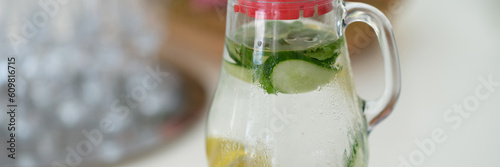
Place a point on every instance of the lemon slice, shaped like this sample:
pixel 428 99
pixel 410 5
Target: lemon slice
pixel 227 153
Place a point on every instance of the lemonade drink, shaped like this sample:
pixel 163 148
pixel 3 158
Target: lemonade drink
pixel 286 99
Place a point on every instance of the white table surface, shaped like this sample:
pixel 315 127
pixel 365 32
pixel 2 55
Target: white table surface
pixel 445 46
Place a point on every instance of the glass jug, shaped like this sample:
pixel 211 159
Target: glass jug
pixel 286 95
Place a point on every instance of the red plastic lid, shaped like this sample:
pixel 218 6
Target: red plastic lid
pixel 282 9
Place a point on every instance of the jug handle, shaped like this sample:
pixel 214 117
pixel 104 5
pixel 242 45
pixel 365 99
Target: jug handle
pixel 377 110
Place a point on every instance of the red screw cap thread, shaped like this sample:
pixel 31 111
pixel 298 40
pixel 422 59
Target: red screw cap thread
pixel 236 8
pixel 282 9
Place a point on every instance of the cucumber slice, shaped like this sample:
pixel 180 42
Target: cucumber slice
pixel 292 57
pixel 357 157
pixel 324 52
pixel 298 76
pixel 234 51
pixel 243 55
pixel 266 72
pixel 238 71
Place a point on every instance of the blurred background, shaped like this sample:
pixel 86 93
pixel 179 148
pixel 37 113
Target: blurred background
pixel 132 80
